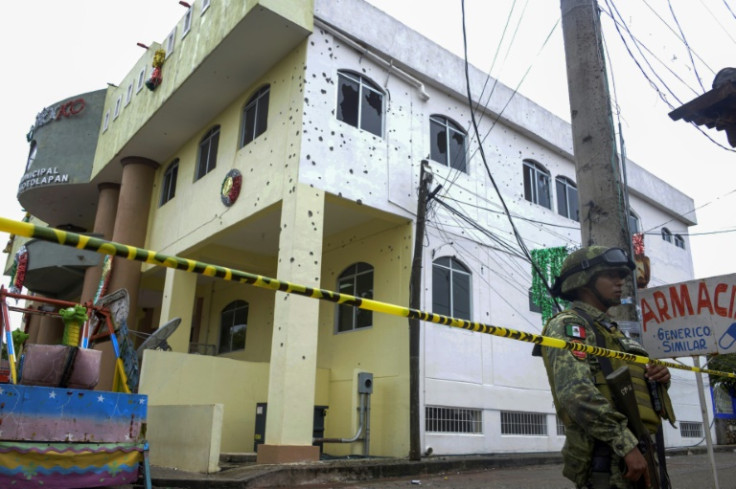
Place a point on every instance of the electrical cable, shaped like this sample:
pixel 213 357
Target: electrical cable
pixel 659 92
pixel 681 39
pixel 729 9
pixel 687 46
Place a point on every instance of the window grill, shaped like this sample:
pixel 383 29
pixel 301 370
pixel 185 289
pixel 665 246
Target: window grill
pixel 690 429
pixel 520 423
pixel 453 420
pixel 560 427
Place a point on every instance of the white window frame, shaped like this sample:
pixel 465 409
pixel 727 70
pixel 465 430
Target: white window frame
pixel 535 170
pixel 106 121
pixel 118 104
pixel 187 21
pixel 129 94
pixel 567 185
pixel 170 42
pixel 141 80
pixel 205 5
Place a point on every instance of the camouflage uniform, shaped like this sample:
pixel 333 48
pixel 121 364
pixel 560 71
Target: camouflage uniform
pixel 584 410
pixel 579 389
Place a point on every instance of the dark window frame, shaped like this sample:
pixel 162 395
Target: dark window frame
pixel 255 116
pixel 449 300
pixel 666 235
pixel 208 146
pixel 229 328
pixel 679 241
pixel 168 183
pixel 357 280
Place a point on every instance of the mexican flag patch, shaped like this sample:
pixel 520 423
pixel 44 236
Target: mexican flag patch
pixel 575 331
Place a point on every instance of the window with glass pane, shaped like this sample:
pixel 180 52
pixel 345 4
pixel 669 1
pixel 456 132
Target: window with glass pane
pixel 679 241
pixel 447 142
pixel 32 152
pixel 208 152
pixel 359 102
pixel 450 288
pixel 255 116
pixel 666 235
pixel 356 280
pixel 168 189
pixel 233 326
pixel 633 223
pixel 536 184
pixel 567 198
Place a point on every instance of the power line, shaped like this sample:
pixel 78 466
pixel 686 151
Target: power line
pixel 687 46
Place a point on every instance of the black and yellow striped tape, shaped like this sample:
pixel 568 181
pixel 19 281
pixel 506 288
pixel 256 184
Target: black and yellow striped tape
pixel 139 254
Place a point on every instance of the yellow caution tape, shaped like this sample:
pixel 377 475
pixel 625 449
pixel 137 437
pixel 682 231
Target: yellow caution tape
pixel 68 238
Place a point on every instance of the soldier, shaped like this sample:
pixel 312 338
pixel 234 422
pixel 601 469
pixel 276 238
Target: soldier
pixel 600 451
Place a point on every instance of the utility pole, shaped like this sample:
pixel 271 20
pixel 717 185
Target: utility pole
pixel 415 302
pixel 601 193
pixel 602 199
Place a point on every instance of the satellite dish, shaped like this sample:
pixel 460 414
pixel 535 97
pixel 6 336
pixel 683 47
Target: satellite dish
pixel 157 340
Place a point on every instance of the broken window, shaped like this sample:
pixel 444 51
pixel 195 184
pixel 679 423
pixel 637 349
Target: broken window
pixel 359 103
pixel 447 141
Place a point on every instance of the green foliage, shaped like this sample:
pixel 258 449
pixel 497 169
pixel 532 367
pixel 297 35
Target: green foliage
pixel 724 363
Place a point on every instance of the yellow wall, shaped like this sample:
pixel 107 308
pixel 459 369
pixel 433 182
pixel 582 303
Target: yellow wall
pixel 382 349
pixel 170 378
pixel 268 164
pixel 189 53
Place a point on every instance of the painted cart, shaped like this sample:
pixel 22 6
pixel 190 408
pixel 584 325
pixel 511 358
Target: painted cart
pixel 62 438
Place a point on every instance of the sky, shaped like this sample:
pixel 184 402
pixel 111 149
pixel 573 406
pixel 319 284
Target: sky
pixel 53 50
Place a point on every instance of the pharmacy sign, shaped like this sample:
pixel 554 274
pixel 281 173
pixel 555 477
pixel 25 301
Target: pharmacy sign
pixel 696 317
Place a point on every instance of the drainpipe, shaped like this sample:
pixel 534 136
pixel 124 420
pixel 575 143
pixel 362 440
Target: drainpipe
pixel 374 57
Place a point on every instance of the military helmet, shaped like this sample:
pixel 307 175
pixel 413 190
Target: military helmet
pixel 582 265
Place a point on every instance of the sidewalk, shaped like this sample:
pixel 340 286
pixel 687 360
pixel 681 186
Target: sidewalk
pixel 239 471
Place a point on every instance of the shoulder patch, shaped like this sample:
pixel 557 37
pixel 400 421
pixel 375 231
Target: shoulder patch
pixel 575 331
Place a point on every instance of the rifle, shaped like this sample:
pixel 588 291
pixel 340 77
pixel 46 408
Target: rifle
pixel 622 391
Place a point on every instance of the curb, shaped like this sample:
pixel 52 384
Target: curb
pixel 245 474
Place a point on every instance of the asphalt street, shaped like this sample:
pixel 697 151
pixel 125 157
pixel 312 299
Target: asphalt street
pixel 686 472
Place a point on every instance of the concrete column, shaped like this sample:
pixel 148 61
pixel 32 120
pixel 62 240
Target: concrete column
pixel 293 365
pixel 107 205
pixel 131 224
pixel 180 291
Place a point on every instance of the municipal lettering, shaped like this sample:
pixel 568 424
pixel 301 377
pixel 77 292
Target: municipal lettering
pixel 42 176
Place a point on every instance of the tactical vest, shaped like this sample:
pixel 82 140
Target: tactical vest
pixel 615 340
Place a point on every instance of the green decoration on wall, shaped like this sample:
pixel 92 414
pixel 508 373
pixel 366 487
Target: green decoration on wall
pixel 549 262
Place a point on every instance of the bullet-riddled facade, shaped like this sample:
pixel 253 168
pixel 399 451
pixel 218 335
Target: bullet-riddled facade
pixel 301 160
